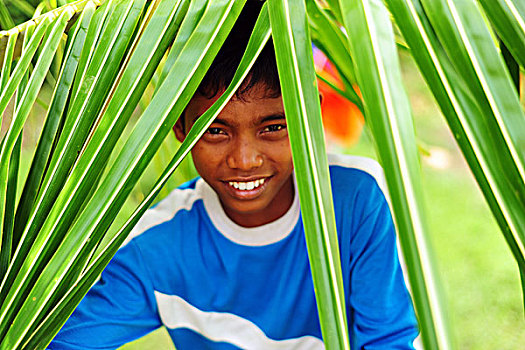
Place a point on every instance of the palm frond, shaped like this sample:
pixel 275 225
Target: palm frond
pixel 388 112
pixel 303 115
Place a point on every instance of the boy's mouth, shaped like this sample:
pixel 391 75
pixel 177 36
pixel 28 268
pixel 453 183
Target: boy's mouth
pixel 247 190
pixel 246 186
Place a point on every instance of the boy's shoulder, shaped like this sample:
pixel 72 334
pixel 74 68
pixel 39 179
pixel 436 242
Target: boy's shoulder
pixel 351 174
pixel 179 202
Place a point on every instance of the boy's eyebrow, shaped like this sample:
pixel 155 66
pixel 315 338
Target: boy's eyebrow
pixel 262 120
pixel 216 120
pixel 221 121
pixel 271 117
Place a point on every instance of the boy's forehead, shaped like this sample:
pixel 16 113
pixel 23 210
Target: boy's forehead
pixel 257 99
pixel 199 104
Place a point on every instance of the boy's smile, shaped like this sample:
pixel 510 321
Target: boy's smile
pixel 245 155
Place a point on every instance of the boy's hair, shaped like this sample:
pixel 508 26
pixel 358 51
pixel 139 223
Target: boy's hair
pixel 227 60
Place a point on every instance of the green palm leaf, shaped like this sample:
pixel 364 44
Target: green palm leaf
pixel 27 99
pixel 480 142
pixel 8 58
pixel 331 40
pixel 146 55
pixel 33 250
pixel 23 64
pixel 6 21
pixel 468 42
pixel 52 123
pixel 195 11
pixel 99 212
pixel 59 314
pixel 388 112
pixel 303 115
pixel 508 18
pixel 6 240
pixel 12 182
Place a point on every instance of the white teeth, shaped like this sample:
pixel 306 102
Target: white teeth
pixel 246 186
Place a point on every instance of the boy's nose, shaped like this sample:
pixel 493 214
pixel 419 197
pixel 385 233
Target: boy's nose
pixel 244 157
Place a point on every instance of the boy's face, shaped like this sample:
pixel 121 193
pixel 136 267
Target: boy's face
pixel 245 156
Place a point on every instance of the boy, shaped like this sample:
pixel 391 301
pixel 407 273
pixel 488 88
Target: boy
pixel 222 261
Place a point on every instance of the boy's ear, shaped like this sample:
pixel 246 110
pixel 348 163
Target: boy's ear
pixel 178 128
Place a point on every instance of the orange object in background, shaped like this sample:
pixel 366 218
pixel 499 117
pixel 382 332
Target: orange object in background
pixel 342 120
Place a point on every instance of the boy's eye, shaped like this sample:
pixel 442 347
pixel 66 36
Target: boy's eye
pixel 274 127
pixel 215 131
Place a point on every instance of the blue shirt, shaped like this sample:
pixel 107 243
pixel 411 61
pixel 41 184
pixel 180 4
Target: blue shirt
pixel 217 285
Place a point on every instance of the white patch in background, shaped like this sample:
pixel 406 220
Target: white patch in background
pixel 438 158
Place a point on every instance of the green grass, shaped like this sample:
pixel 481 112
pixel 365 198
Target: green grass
pixel 480 277
pixel 156 340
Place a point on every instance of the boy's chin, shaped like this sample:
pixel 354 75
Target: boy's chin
pixel 249 213
pixel 255 207
pixel 247 207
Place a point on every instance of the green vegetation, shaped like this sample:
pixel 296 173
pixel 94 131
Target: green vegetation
pixel 64 228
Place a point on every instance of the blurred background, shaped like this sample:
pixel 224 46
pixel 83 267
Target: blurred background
pixel 478 273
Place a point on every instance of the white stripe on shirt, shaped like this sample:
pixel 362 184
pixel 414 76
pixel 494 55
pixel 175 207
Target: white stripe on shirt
pixel 166 209
pixel 176 312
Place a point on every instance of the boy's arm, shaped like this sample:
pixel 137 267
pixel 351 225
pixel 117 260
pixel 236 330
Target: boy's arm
pixel 120 307
pixel 380 308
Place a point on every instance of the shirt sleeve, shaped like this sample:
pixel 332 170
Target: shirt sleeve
pixel 118 309
pixel 380 309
